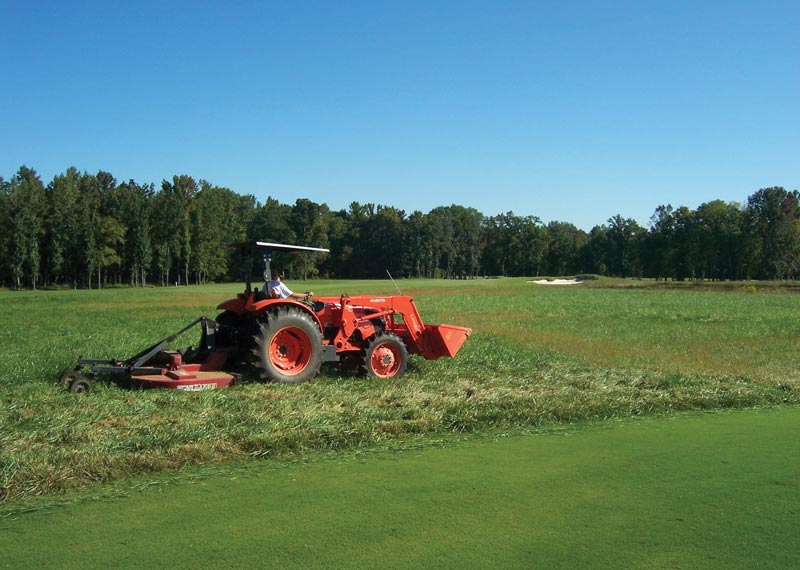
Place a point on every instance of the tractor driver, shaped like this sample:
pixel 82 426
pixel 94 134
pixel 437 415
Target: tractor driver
pixel 279 290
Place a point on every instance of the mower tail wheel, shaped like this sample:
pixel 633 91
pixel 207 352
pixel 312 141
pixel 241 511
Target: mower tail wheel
pixel 288 346
pixel 386 356
pixel 75 383
pixel 67 377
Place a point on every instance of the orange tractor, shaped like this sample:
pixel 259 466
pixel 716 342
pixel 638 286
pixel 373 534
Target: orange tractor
pixel 286 340
pixel 289 340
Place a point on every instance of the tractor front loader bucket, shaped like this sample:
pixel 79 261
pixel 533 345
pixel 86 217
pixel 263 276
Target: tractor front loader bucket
pixel 442 340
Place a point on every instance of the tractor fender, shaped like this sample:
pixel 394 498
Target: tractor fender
pixel 239 304
pixel 260 307
pixel 233 305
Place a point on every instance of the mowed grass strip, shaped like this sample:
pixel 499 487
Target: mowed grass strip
pixel 705 491
pixel 538 355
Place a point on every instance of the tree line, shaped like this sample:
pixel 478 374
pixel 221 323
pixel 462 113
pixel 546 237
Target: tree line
pixel 89 230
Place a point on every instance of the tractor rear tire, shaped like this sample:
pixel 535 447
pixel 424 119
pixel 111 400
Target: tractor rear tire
pixel 386 356
pixel 288 346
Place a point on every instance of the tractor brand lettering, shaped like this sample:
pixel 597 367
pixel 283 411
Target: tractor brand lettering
pixel 377 300
pixel 196 387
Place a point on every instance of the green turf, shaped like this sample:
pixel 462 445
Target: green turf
pixel 692 491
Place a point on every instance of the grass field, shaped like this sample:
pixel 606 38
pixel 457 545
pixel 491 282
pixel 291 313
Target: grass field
pixel 538 356
pixel 691 491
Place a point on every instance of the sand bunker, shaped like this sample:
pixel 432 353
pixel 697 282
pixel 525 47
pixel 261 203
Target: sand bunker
pixel 556 281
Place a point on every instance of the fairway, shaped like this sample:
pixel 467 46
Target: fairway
pixel 712 490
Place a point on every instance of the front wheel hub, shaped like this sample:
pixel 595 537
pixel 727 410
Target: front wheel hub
pixel 383 361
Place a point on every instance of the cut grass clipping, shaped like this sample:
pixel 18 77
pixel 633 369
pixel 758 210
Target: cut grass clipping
pixel 537 356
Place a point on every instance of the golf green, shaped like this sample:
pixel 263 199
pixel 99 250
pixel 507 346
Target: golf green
pixel 715 490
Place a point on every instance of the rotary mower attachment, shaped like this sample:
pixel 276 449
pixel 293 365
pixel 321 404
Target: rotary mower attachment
pixel 160 367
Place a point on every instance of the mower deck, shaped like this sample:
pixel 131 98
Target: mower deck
pixel 188 378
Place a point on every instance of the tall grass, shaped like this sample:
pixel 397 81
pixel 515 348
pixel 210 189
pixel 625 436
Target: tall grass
pixel 538 355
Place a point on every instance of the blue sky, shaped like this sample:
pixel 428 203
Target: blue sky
pixel 569 111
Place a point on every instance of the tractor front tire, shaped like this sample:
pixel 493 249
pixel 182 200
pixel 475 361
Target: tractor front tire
pixel 386 356
pixel 288 346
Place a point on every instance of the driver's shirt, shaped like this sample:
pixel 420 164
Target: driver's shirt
pixel 279 289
